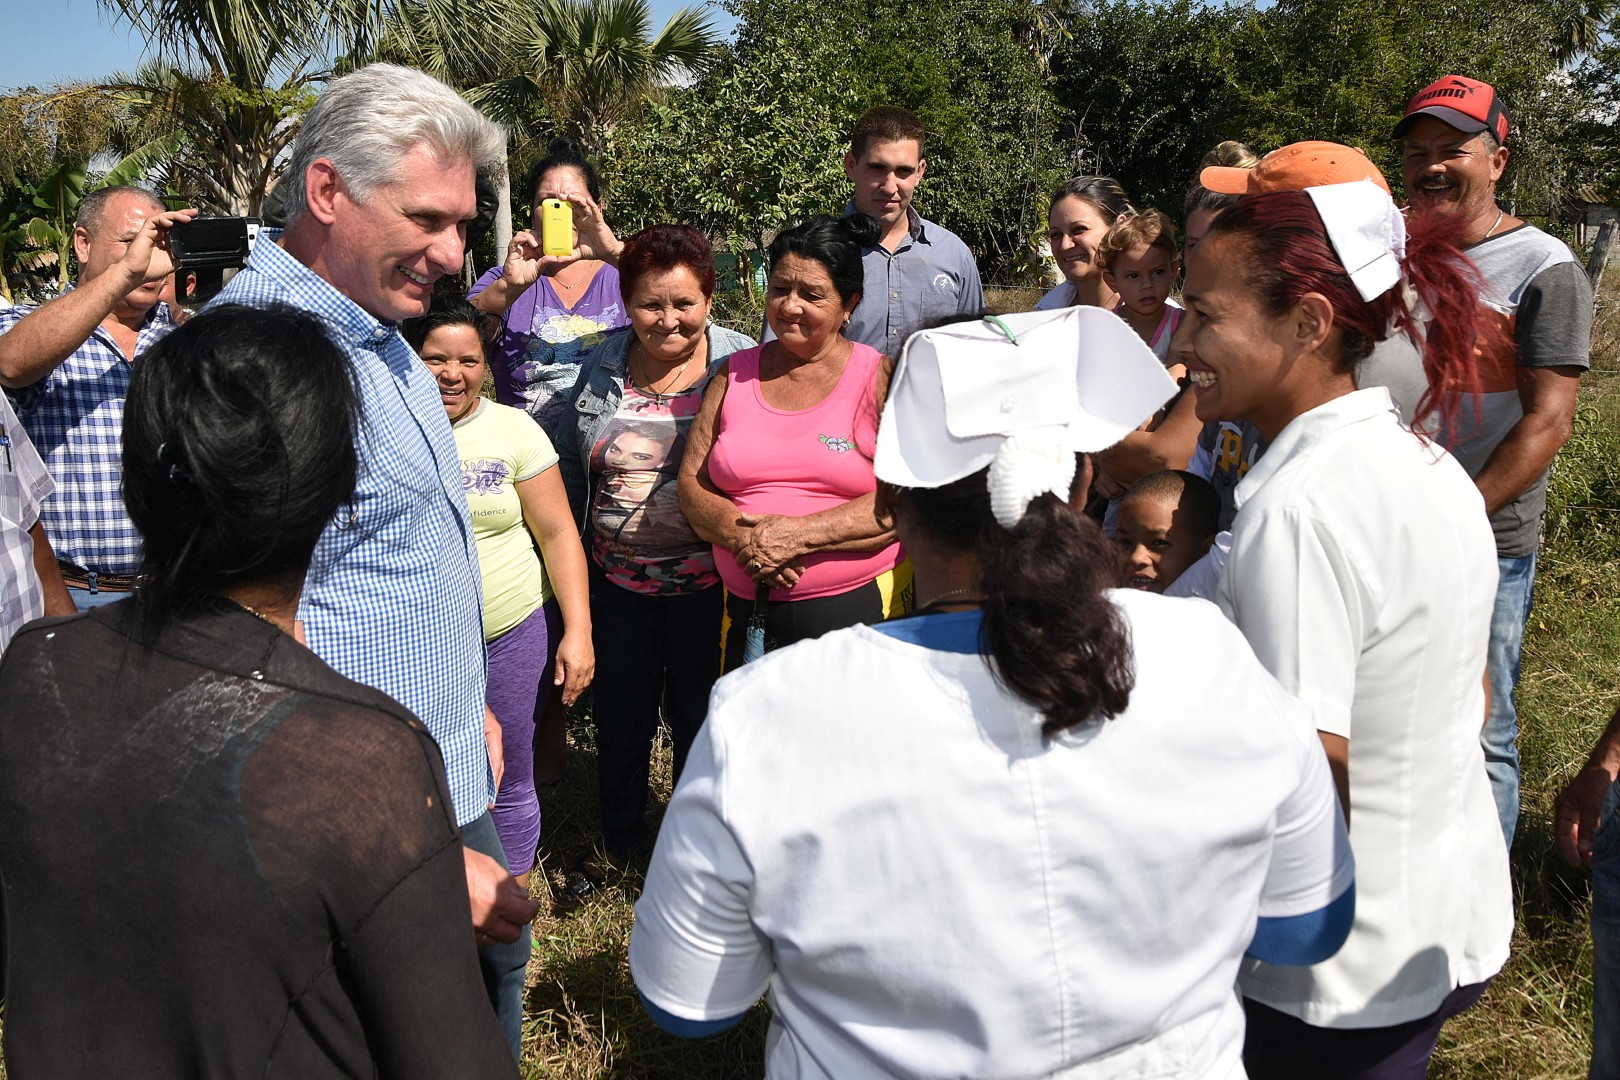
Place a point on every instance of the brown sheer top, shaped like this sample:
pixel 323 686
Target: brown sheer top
pixel 222 859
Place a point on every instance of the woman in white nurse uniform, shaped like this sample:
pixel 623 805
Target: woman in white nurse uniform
pixel 1026 832
pixel 1362 570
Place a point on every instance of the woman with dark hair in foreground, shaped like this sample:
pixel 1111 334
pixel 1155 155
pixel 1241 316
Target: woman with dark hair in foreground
pixel 1025 830
pixel 220 857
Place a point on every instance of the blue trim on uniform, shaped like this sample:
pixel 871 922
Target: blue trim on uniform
pixel 1299 940
pixel 949 631
pixel 688 1029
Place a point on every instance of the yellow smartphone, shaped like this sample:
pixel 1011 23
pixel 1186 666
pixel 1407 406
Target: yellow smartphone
pixel 556 227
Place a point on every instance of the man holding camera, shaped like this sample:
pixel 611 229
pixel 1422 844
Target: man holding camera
pixel 67 365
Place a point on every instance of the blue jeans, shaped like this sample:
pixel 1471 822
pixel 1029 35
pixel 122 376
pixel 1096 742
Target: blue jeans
pixel 503 965
pixel 1514 591
pixel 1606 943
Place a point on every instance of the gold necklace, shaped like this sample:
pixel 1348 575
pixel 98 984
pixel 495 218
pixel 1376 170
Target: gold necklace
pixel 1494 224
pixel 251 610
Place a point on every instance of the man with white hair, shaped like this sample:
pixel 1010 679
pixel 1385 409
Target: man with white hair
pixel 380 190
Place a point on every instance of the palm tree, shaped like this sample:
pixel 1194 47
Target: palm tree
pixel 244 42
pixel 572 66
pixel 212 112
pixel 1580 28
pixel 232 78
pixel 217 142
pixel 589 63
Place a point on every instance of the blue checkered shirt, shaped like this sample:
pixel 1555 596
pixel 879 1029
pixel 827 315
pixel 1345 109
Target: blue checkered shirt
pixel 392 598
pixel 75 417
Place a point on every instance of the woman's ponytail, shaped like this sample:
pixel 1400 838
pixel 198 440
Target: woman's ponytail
pixel 1290 255
pixel 1053 638
pixel 1450 325
pixel 1056 640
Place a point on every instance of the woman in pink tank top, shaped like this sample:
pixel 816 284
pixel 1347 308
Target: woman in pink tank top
pixel 778 467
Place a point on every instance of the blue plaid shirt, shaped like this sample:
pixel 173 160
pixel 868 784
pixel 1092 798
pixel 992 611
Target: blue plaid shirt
pixel 75 417
pixel 393 598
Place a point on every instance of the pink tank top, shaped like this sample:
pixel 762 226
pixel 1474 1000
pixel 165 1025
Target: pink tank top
pixel 770 461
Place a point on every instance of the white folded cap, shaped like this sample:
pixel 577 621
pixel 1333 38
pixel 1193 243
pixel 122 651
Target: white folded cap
pixel 1075 379
pixel 1367 231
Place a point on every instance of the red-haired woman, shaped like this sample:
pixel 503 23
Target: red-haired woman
pixel 655 593
pixel 1363 572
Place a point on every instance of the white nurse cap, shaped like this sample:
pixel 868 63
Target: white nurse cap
pixel 1020 393
pixel 1367 231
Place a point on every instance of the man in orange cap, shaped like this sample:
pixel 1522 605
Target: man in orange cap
pixel 1453 152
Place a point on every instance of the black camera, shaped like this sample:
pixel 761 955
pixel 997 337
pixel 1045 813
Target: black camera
pixel 209 246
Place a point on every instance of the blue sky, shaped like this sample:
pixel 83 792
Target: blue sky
pixel 44 42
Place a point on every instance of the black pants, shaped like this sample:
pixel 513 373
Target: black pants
pixel 1282 1047
pixel 800 620
pixel 648 649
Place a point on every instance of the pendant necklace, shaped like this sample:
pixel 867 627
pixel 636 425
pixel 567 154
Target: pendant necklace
pixel 674 378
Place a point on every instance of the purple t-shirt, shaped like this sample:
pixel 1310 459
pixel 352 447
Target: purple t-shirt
pixel 525 364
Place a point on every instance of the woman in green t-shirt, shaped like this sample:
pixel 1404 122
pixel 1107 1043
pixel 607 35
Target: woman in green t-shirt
pixel 516 501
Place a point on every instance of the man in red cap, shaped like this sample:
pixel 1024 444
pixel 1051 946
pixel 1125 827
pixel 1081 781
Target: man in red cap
pixel 1454 150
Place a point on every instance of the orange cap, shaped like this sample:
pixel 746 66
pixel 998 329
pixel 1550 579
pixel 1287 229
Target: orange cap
pixel 1295 167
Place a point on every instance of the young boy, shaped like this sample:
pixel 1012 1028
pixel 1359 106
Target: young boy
pixel 1167 521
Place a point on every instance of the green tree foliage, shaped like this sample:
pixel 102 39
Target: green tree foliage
pixel 759 141
pixel 211 142
pixel 209 116
pixel 1593 141
pixel 40 130
pixel 1148 88
pixel 1151 86
pixel 753 144
pixel 575 67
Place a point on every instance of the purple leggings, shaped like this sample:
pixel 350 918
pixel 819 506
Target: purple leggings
pixel 520 661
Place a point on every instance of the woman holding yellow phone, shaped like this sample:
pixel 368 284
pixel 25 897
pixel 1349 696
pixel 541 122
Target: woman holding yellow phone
pixel 557 285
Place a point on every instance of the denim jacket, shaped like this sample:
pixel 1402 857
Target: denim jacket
pixel 598 389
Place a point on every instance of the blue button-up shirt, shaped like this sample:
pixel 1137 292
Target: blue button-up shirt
pixel 75 417
pixel 393 598
pixel 930 276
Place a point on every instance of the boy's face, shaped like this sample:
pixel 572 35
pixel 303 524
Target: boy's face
pixel 1158 542
pixel 1142 277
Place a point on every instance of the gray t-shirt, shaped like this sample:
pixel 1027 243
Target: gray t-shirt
pixel 1543 302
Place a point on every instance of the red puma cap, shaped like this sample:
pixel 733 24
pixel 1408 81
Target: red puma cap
pixel 1466 104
